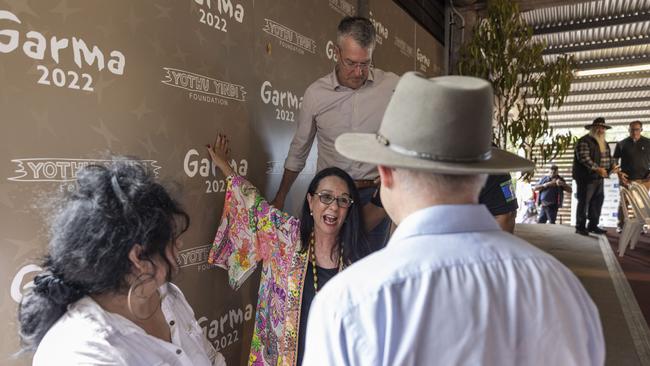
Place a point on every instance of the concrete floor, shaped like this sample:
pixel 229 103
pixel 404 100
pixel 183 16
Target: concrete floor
pixel 592 260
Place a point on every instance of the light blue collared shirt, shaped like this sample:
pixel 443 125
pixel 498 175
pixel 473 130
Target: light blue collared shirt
pixel 451 288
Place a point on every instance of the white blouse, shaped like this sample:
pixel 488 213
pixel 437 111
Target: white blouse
pixel 88 335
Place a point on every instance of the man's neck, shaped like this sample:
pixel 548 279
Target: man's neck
pixel 417 203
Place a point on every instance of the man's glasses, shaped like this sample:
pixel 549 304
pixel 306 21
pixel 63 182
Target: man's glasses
pixel 636 129
pixel 353 65
pixel 327 198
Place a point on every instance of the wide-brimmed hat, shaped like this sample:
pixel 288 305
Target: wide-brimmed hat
pixel 598 122
pixel 442 124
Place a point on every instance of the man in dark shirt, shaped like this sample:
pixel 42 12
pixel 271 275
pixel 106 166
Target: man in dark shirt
pixel 498 195
pixel 551 194
pixel 634 152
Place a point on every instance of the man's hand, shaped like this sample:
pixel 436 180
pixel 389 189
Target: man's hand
pixel 623 178
pixel 278 202
pixel 602 172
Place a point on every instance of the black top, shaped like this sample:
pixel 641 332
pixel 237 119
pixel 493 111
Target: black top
pixel 308 293
pixel 498 194
pixel 635 157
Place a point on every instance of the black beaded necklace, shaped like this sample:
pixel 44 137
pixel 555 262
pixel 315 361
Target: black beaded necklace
pixel 312 255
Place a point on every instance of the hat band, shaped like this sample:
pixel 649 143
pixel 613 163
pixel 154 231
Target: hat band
pixel 428 156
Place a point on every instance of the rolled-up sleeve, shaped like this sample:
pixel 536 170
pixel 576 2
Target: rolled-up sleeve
pixel 304 137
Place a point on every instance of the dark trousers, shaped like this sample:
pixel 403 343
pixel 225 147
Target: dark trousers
pixel 590 201
pixel 547 213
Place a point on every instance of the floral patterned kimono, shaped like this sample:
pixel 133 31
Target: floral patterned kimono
pixel 251 230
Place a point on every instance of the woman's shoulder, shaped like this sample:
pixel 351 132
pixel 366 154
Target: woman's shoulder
pixel 78 337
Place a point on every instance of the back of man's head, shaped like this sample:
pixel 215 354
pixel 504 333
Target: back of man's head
pixel 359 29
pixel 416 189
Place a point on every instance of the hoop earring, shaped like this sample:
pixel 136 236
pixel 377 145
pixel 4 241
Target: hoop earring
pixel 137 283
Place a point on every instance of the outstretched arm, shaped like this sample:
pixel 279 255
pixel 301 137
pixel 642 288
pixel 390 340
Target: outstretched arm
pixel 219 152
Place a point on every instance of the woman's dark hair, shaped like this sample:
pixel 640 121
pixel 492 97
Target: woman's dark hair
pixel 353 234
pixel 114 207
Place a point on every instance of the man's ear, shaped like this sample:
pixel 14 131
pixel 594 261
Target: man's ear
pixel 386 175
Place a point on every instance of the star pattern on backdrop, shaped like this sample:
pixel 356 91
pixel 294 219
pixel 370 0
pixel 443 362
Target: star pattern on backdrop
pixel 5 199
pixel 64 10
pixel 157 46
pixel 20 7
pixel 23 248
pixel 163 12
pixel 133 21
pixel 105 133
pixel 163 122
pixel 148 145
pixel 181 55
pixel 100 86
pixel 200 36
pixel 142 110
pixel 42 120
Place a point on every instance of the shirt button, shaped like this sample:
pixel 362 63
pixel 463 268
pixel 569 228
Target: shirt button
pixel 178 351
pixel 172 323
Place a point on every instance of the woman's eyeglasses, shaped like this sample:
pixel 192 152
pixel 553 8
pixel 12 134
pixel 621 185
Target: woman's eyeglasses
pixel 327 198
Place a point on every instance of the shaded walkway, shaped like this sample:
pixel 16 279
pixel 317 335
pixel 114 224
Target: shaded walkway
pixel 592 260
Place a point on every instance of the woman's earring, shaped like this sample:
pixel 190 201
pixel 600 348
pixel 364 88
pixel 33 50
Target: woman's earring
pixel 140 281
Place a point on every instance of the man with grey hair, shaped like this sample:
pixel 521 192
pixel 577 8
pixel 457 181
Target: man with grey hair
pixel 450 287
pixel 592 162
pixel 352 97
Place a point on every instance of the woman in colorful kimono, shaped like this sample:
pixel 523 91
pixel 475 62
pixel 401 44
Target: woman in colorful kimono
pixel 298 256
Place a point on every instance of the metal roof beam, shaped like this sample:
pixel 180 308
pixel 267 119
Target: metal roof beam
pixel 600 110
pixel 603 21
pixel 611 77
pixel 607 101
pixel 597 45
pixel 584 121
pixel 610 90
pixel 641 59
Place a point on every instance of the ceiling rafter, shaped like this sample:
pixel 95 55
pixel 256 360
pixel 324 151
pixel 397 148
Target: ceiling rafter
pixel 587 23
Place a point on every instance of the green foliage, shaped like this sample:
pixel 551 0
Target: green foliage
pixel 503 52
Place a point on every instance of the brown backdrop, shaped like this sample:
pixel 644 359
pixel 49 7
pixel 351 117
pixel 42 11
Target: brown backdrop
pixel 156 80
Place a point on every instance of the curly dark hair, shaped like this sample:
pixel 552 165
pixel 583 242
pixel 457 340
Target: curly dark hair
pixel 114 207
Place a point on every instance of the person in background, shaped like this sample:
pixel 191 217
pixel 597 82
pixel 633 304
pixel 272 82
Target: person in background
pixel 298 256
pixel 450 287
pixel 592 162
pixel 551 190
pixel 499 197
pixel 105 296
pixel 353 97
pixel 634 155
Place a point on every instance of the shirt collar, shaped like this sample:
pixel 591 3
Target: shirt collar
pixel 105 321
pixel 337 86
pixel 445 219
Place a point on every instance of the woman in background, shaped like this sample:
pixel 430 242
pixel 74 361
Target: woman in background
pixel 105 296
pixel 298 256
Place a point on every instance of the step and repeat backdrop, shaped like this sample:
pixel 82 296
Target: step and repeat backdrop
pixel 156 80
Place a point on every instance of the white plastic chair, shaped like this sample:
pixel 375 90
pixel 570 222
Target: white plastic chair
pixel 641 191
pixel 633 226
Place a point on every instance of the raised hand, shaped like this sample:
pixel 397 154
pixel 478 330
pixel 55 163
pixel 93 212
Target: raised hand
pixel 219 153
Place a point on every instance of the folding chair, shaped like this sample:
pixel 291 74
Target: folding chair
pixel 633 226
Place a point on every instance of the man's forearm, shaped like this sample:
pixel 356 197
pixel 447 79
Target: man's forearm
pixel 288 177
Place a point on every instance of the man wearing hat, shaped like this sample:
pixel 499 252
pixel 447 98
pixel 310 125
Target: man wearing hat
pixel 592 162
pixel 450 287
